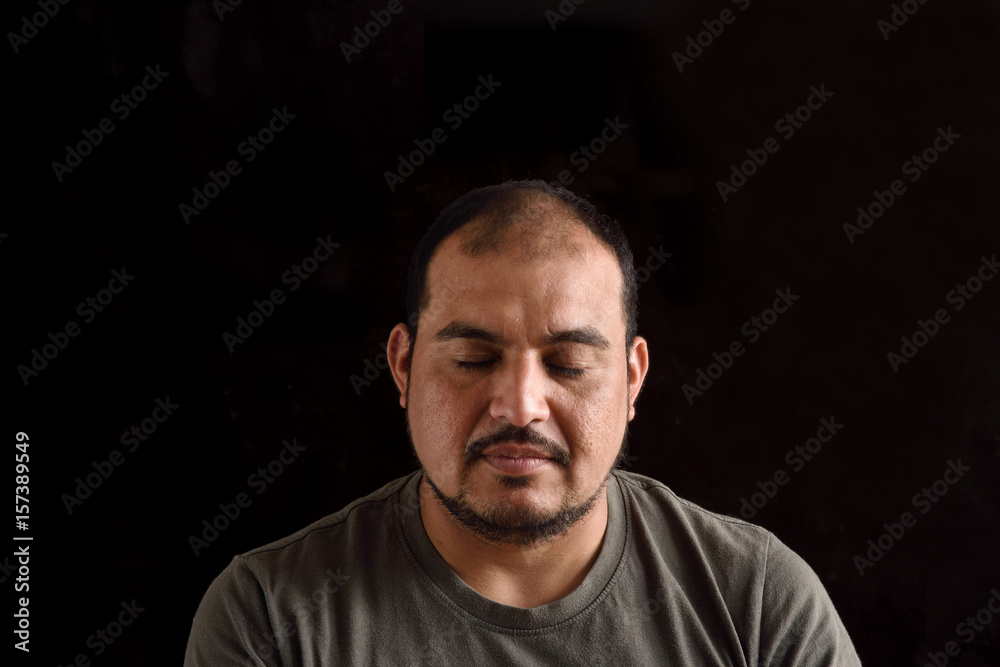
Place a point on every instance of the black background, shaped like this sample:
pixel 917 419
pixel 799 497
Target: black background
pixel 324 175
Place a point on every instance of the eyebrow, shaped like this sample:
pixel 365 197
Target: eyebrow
pixel 586 335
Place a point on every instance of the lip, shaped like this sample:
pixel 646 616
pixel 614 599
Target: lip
pixel 515 451
pixel 513 459
pixel 516 465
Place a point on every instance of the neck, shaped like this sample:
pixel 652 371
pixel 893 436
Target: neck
pixel 519 576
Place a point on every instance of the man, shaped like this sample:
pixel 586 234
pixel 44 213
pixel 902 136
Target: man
pixel 519 542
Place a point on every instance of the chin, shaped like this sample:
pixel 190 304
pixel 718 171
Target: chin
pixel 514 482
pixel 527 492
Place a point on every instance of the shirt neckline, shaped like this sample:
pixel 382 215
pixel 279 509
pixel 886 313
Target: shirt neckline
pixel 444 579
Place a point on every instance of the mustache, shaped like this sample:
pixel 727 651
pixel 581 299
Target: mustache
pixel 521 435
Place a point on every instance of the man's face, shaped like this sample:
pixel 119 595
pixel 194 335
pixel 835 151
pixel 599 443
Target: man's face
pixel 517 397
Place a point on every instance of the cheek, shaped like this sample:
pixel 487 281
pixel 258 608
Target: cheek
pixel 440 420
pixel 594 422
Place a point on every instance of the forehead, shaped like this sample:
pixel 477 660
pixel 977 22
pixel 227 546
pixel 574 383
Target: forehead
pixel 533 227
pixel 547 268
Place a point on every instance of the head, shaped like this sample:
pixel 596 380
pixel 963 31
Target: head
pixel 496 208
pixel 518 391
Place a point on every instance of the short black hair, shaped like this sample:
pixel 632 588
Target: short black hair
pixel 497 207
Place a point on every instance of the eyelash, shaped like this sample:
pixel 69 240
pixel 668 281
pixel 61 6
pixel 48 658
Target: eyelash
pixel 482 365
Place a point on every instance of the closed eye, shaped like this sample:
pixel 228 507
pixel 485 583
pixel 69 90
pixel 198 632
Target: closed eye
pixel 473 365
pixel 486 363
pixel 566 372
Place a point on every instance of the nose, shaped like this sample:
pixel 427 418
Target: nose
pixel 519 393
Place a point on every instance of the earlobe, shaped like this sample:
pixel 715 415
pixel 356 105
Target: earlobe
pixel 398 352
pixel 639 364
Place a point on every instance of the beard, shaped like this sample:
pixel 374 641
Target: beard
pixel 504 523
pixel 507 524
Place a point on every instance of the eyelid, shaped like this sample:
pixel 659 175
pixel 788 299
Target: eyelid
pixel 567 372
pixel 485 363
pixel 474 364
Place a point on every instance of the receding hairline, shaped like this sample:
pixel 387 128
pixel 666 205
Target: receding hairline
pixel 538 222
pixel 500 203
pixel 529 218
pixel 481 236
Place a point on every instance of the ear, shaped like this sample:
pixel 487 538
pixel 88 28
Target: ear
pixel 638 362
pixel 398 351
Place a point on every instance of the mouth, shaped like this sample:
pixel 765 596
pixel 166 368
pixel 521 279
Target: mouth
pixel 513 459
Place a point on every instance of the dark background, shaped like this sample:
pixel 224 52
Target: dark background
pixel 324 175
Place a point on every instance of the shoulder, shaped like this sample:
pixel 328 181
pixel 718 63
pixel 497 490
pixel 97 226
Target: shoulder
pixel 375 503
pixel 760 578
pixel 332 539
pixel 235 621
pixel 652 502
pixel 730 542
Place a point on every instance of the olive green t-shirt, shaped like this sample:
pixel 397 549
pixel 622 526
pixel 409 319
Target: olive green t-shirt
pixel 673 584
